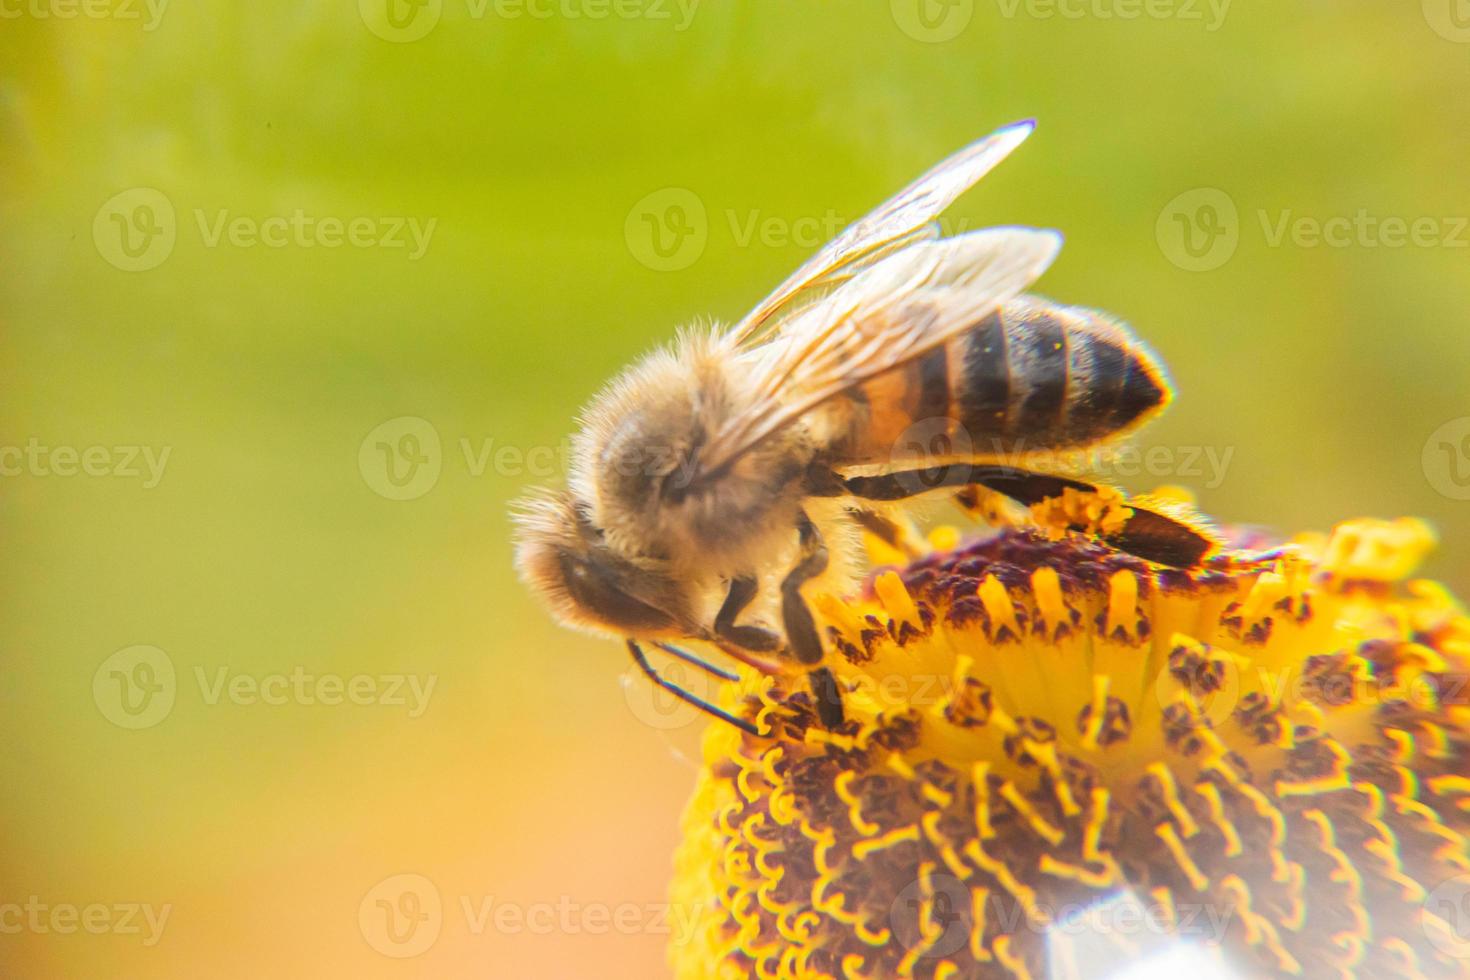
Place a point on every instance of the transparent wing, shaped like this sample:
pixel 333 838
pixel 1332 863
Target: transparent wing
pixel 902 307
pixel 901 221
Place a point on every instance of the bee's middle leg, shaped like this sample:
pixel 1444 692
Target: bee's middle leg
pixel 801 628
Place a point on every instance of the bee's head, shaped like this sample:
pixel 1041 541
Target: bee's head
pixel 565 559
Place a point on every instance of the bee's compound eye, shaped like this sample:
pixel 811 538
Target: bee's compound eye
pixel 594 586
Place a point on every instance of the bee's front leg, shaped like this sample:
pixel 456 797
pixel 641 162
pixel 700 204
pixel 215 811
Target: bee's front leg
pixel 801 628
pixel 752 638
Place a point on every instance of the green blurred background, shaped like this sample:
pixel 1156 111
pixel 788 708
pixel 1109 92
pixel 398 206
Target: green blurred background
pixel 548 150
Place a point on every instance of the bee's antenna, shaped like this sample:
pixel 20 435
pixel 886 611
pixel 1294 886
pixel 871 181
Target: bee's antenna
pixel 701 663
pixel 685 696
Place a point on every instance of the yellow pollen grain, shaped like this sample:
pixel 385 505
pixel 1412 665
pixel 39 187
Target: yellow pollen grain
pixel 1449 785
pixel 896 599
pixel 843 786
pixel 841 615
pixel 783 806
pixel 945 537
pixel 1223 823
pixel 1346 873
pixel 998 606
pixel 1258 929
pixel 1024 896
pixel 934 794
pixel 1076 872
pixel 767 900
pixel 1403 744
pixel 1051 605
pixel 1045 754
pixel 1438 742
pixel 1330 783
pixel 1013 796
pixel 1163 898
pixel 836 905
pixel 899 835
pixel 1265 808
pixel 980 777
pixel 925 942
pixel 1097 715
pixel 880 552
pixel 1408 960
pixel 878 937
pixel 1376 551
pixel 1011 961
pixel 818 737
pixel 1123 604
pixel 1161 772
pixel 1268 589
pixel 1170 837
pixel 1092 833
pixel 978 898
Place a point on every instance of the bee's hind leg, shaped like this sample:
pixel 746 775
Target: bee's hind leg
pixel 1148 534
pixel 801 628
pixel 989 507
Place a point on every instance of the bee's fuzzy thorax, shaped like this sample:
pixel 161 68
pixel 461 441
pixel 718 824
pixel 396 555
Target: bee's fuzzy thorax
pixel 636 461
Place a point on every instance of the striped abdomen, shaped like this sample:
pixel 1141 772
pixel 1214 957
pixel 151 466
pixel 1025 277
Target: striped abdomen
pixel 1036 376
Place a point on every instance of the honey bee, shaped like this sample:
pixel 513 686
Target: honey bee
pixel 713 482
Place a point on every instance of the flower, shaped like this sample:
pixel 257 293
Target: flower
pixel 1265 756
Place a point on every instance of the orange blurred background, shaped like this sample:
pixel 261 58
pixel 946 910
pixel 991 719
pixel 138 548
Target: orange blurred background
pixel 295 245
